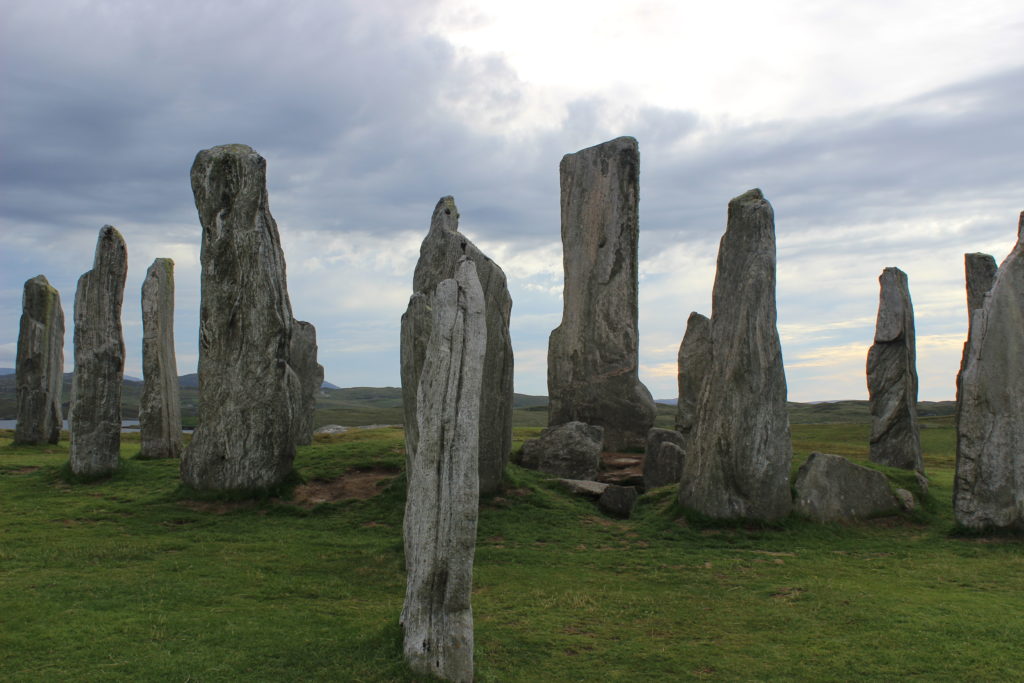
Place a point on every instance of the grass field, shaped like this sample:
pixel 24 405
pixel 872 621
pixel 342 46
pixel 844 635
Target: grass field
pixel 128 579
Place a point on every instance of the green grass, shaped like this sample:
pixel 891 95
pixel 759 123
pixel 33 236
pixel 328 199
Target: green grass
pixel 128 579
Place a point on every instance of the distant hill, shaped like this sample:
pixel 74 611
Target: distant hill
pixel 6 371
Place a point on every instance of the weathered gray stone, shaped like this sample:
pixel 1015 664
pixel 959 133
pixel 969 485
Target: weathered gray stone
pixel 664 466
pixel 95 419
pixel 593 354
pixel 443 490
pixel 571 450
pixel 246 386
pixel 618 501
pixel 892 377
pixel 584 487
pixel 906 500
pixel 830 488
pixel 989 485
pixel 980 272
pixel 440 251
pixel 693 363
pixel 160 405
pixel 311 377
pixel 39 366
pixel 737 461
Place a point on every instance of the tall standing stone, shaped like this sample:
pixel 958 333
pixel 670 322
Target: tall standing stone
pixel 39 367
pixel 440 252
pixel 989 486
pixel 593 355
pixel 311 378
pixel 892 377
pixel 442 502
pixel 693 362
pixel 99 360
pixel 247 388
pixel 737 465
pixel 979 272
pixel 160 405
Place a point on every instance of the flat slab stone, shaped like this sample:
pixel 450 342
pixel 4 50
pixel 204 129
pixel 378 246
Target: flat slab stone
pixel 584 487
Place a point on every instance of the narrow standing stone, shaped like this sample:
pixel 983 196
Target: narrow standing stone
pixel 593 355
pixel 693 362
pixel 979 272
pixel 892 377
pixel 247 389
pixel 441 250
pixel 311 378
pixel 39 368
pixel 442 503
pixel 737 465
pixel 99 360
pixel 989 486
pixel 160 405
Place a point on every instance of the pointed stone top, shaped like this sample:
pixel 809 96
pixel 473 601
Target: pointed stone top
pixel 110 245
pixel 695 316
pixel 446 215
pixel 894 307
pixel 40 281
pixel 1020 227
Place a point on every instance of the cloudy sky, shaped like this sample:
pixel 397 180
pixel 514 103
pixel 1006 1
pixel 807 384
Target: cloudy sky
pixel 884 134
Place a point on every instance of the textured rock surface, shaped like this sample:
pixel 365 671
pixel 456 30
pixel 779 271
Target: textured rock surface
pixel 311 376
pixel 585 487
pixel 664 466
pixel 571 450
pixel 737 461
pixel 989 486
pixel 980 272
pixel 830 488
pixel 693 362
pixel 39 366
pixel 443 494
pixel 440 251
pixel 618 501
pixel 892 377
pixel 160 405
pixel 95 419
pixel 246 386
pixel 593 353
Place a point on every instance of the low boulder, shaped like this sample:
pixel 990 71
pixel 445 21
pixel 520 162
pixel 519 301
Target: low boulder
pixel 830 488
pixel 663 459
pixel 571 450
pixel 618 501
pixel 584 487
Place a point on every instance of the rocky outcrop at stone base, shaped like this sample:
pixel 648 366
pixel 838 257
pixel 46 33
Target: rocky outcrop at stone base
pixel 618 501
pixel 571 450
pixel 830 488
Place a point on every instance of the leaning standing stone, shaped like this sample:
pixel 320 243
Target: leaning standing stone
pixel 441 250
pixel 311 378
pixel 892 377
pixel 737 463
pixel 246 387
pixel 443 491
pixel 693 362
pixel 39 368
pixel 593 355
pixel 160 406
pixel 99 360
pixel 989 486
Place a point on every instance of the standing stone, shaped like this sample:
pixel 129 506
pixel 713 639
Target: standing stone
pixel 693 363
pixel 593 355
pixel 892 377
pixel 311 378
pixel 99 360
pixel 737 463
pixel 989 486
pixel 39 368
pixel 443 495
pixel 663 458
pixel 247 388
pixel 441 250
pixel 160 406
pixel 980 272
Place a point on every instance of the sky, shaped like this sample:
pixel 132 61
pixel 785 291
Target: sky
pixel 883 133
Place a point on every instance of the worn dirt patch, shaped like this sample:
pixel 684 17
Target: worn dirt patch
pixel 357 484
pixel 217 507
pixel 21 470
